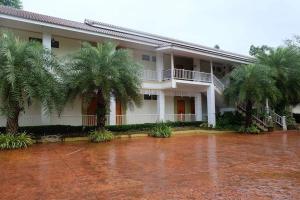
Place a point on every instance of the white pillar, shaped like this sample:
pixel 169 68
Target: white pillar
pixel 211 107
pixel 161 105
pixel 112 111
pixel 212 72
pixel 172 66
pixel 284 126
pixel 198 107
pixel 45 116
pixel 159 66
pixel 47 40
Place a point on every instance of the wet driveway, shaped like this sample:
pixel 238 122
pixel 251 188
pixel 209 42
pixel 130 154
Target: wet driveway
pixel 227 166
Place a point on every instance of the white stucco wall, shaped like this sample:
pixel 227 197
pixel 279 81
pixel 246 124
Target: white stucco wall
pixel 67 46
pixel 71 115
pixel 296 109
pixel 146 113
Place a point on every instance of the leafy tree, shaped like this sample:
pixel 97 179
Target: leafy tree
pixel 12 3
pixel 101 71
pixel 217 46
pixel 254 50
pixel 251 85
pixel 285 65
pixel 27 74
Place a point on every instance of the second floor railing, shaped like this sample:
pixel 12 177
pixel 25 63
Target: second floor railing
pixel 190 75
pixel 183 74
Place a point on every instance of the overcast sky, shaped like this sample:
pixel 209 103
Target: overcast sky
pixel 232 24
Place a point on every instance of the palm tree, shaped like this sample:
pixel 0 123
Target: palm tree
pixel 285 64
pixel 251 85
pixel 101 71
pixel 27 73
pixel 12 3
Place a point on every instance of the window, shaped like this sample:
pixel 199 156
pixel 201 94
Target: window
pixel 54 43
pixel 32 39
pixel 150 97
pixel 146 57
pixel 153 58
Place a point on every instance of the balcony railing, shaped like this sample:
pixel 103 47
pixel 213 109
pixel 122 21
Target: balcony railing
pixel 189 75
pixel 219 85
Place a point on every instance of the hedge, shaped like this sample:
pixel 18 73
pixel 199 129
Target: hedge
pixel 77 131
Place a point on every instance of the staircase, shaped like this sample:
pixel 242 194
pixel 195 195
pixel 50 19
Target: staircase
pixel 262 124
pixel 255 120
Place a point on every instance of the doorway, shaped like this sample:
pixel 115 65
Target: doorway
pixel 180 110
pixel 119 115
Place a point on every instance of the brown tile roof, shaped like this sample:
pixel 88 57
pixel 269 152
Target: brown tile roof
pixel 116 31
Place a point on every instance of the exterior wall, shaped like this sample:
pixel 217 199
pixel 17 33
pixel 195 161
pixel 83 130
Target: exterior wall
pixel 169 107
pixel 137 114
pixel 71 115
pixel 23 35
pixel 296 109
pixel 66 46
pixel 31 116
pixel 148 65
pixel 204 66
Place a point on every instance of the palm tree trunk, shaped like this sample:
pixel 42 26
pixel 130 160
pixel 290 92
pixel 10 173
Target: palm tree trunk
pixel 101 110
pixel 248 114
pixel 12 122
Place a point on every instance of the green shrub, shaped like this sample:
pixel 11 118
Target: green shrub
pixel 9 141
pixel 250 129
pixel 162 130
pixel 101 136
pixel 80 131
pixel 229 121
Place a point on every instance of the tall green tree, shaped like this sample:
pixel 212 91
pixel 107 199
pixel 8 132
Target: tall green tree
pixel 101 71
pixel 284 62
pixel 12 3
pixel 27 74
pixel 251 85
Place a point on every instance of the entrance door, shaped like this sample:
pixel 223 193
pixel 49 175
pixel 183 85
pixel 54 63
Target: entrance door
pixel 118 113
pixel 180 110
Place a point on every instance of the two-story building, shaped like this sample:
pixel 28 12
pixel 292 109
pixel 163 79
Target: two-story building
pixel 181 80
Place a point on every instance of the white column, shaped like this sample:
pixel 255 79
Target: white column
pixel 212 72
pixel 47 40
pixel 172 66
pixel 161 105
pixel 198 107
pixel 112 111
pixel 211 107
pixel 45 116
pixel 159 66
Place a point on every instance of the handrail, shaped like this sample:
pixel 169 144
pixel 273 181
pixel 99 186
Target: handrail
pixel 218 83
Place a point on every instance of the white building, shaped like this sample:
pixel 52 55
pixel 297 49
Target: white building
pixel 182 81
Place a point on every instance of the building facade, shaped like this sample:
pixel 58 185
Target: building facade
pixel 181 81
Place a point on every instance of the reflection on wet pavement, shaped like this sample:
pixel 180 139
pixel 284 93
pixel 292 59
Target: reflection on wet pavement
pixel 227 166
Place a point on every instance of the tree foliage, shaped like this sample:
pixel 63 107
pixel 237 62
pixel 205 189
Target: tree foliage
pixel 284 62
pixel 101 71
pixel 12 3
pixel 27 74
pixel 251 85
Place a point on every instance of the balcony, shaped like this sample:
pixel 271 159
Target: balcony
pixel 188 75
pixel 183 74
